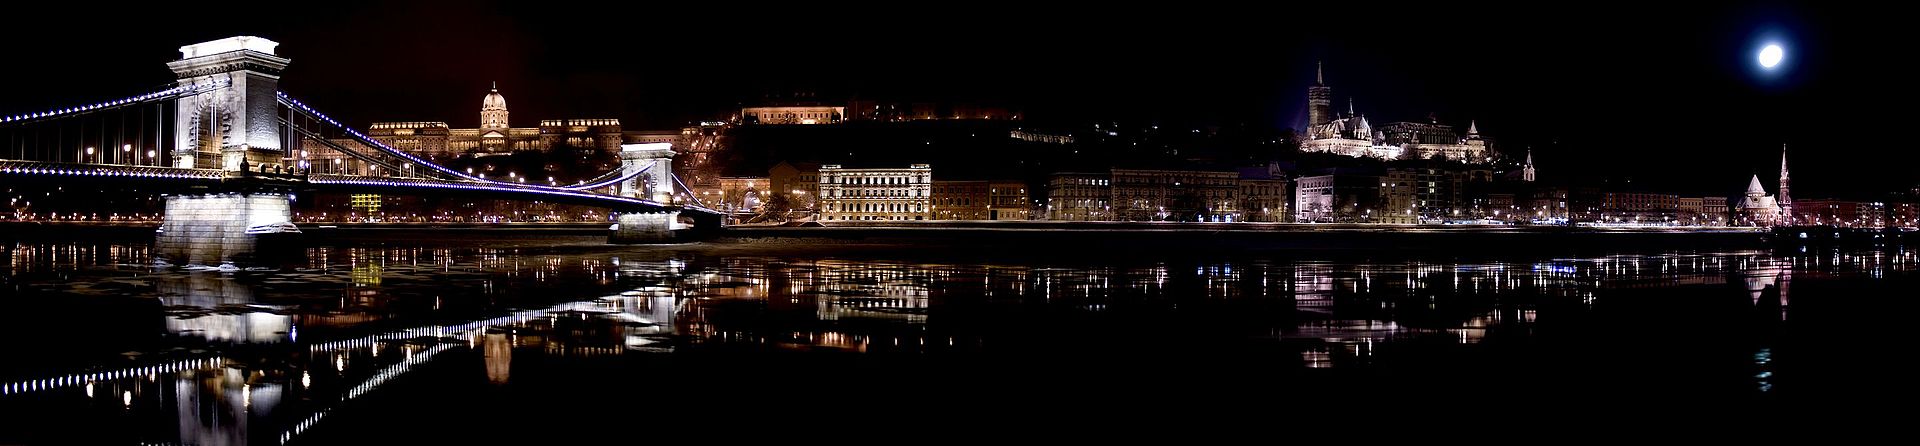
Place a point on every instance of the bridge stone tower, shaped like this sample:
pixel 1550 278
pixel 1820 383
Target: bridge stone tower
pixel 233 127
pixel 656 184
pixel 238 120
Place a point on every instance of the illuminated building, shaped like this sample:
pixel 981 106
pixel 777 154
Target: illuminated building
pixel 1263 195
pixel 792 115
pixel 1760 209
pixel 1176 195
pixel 496 135
pixel 1079 197
pixel 1851 214
pixel 1526 170
pixel 876 194
pixel 369 204
pixel 960 200
pixel 1640 207
pixel 1352 135
pixel 1008 200
pixel 1427 140
pixel 1040 137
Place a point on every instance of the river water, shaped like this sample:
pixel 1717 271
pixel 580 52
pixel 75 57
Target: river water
pixel 562 339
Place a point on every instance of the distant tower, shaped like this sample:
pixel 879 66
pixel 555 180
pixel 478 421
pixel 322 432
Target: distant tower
pixel 493 111
pixel 1526 170
pixel 1473 132
pixel 1319 99
pixel 1784 200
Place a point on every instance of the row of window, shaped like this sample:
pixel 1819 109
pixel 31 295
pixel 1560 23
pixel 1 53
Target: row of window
pixel 872 193
pixel 857 180
pixel 875 207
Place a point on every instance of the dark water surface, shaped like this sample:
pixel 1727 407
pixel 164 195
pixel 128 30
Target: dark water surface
pixel 563 340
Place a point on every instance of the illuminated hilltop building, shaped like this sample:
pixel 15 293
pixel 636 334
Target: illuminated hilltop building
pixel 1352 135
pixel 496 135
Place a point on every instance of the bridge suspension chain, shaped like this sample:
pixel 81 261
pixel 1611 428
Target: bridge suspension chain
pixel 368 141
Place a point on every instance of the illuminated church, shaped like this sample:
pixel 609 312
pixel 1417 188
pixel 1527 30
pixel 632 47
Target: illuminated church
pixel 1760 209
pixel 1352 135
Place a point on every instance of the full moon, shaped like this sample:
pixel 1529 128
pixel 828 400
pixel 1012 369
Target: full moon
pixel 1771 55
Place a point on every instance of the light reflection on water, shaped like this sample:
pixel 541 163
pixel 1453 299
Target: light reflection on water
pixel 261 357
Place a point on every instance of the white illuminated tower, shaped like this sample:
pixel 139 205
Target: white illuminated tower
pixel 236 122
pixel 1526 170
pixel 1784 201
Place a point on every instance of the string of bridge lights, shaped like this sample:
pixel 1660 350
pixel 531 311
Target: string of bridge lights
pixel 183 90
pixel 43 168
pixel 36 385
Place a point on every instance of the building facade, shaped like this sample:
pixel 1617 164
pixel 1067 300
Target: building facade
pixel 1079 197
pixel 1640 208
pixel 960 200
pixel 1009 200
pixel 849 194
pixel 435 140
pixel 1174 195
pixel 792 115
pixel 1263 195
pixel 799 180
pixel 1335 197
pixel 1427 140
pixel 1842 213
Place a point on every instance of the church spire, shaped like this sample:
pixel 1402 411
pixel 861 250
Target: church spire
pixel 1526 170
pixel 1785 199
pixel 1320 72
pixel 1783 165
pixel 1350 112
pixel 495 87
pixel 1473 128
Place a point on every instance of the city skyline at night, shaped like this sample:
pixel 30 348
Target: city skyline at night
pixel 353 222
pixel 1682 108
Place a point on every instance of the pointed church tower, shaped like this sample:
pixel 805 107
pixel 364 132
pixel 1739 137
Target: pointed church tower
pixel 1473 132
pixel 1784 200
pixel 1319 99
pixel 1526 170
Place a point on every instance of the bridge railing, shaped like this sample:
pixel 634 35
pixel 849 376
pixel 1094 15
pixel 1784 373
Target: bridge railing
pixel 15 167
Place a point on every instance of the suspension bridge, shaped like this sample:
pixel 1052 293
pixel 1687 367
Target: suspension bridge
pixel 230 150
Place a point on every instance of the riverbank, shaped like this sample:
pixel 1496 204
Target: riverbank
pixel 1038 238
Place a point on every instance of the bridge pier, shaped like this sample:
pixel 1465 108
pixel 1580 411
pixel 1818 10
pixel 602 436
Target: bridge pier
pixel 645 227
pixel 211 229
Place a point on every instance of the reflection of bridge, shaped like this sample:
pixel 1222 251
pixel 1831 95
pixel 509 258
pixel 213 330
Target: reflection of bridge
pixel 231 150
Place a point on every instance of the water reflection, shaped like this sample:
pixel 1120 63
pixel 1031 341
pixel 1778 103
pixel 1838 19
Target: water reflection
pixel 263 357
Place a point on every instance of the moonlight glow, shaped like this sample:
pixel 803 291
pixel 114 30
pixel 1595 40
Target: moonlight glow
pixel 1771 55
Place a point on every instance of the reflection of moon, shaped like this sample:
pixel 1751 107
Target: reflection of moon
pixel 1771 55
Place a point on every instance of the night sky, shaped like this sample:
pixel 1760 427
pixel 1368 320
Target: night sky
pixel 1664 93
